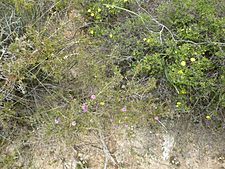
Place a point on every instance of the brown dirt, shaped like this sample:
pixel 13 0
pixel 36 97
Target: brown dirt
pixel 139 148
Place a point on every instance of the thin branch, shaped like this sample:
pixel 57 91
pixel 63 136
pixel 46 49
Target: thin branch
pixel 162 26
pixel 106 151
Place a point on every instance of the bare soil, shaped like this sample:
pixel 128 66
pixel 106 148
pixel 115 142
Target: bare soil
pixel 130 147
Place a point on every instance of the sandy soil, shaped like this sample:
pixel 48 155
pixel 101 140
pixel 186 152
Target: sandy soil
pixel 130 147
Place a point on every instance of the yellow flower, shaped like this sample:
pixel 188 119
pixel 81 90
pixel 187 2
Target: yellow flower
pixel 91 32
pixel 144 39
pixel 89 10
pixel 183 63
pixel 180 72
pixel 99 10
pixel 178 104
pixel 92 14
pixel 125 0
pixel 148 40
pixel 102 103
pixel 110 35
pixel 192 59
pixel 183 91
pixel 208 117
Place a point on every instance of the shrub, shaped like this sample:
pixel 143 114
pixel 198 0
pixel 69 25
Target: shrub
pixel 32 58
pixel 194 62
pixel 183 47
pixel 103 10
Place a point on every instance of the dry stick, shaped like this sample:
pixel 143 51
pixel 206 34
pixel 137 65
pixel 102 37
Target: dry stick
pixel 106 162
pixel 164 127
pixel 46 12
pixel 172 35
pixel 160 35
pixel 8 25
pixel 106 151
pixel 57 30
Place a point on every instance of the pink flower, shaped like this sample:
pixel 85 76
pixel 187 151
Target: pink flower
pixel 93 97
pixel 156 118
pixel 124 109
pixel 84 107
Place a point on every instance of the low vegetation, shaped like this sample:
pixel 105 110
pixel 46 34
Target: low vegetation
pixel 74 66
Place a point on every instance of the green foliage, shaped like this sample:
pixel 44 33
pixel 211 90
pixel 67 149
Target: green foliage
pixel 103 10
pixel 48 78
pixel 195 62
pixel 33 60
pixel 128 61
pixel 16 15
pixel 195 20
pixel 183 49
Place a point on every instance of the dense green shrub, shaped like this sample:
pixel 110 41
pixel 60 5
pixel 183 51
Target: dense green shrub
pixel 195 58
pixel 183 47
pixel 103 10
